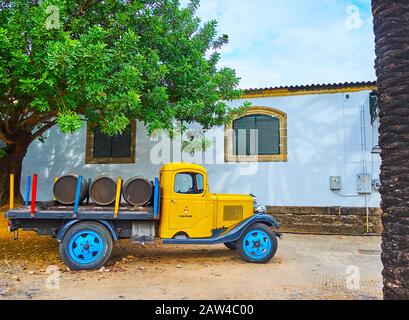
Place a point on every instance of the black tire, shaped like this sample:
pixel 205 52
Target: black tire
pixel 231 245
pixel 270 243
pixel 104 252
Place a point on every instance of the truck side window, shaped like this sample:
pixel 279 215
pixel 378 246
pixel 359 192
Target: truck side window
pixel 199 183
pixel 189 183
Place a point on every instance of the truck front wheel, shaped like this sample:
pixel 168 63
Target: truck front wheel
pixel 258 244
pixel 86 246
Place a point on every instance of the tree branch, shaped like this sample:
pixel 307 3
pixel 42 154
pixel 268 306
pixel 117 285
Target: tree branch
pixel 41 131
pixel 5 139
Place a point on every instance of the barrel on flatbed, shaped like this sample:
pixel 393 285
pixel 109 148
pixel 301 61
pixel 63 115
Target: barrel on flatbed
pixel 103 190
pixel 138 191
pixel 65 189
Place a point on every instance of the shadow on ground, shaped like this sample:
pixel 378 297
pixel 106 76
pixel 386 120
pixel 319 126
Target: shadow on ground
pixel 29 250
pixel 33 251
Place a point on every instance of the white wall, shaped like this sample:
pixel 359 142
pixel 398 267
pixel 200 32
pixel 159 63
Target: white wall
pixel 65 154
pixel 324 139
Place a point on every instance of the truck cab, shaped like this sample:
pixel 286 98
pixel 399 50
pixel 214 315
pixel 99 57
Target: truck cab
pixel 191 214
pixel 189 209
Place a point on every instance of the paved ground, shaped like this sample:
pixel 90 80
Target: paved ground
pixel 306 267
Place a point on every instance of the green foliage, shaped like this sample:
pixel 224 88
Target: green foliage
pixel 196 142
pixel 69 122
pixel 40 104
pixel 111 62
pixel 2 153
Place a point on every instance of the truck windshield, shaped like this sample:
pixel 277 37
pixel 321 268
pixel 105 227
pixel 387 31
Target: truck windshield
pixel 189 183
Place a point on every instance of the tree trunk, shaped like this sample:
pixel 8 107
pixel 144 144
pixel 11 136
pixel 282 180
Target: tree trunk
pixel 391 26
pixel 12 163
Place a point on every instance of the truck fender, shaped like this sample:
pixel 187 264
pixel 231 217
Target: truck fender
pixel 61 233
pixel 235 233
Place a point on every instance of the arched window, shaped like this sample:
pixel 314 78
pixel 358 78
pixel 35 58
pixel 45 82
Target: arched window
pixel 261 136
pixel 256 135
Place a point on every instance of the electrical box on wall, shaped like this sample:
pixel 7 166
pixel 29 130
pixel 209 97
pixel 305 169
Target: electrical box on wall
pixel 376 184
pixel 364 183
pixel 336 183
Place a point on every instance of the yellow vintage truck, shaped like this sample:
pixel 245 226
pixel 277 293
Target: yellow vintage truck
pixel 183 211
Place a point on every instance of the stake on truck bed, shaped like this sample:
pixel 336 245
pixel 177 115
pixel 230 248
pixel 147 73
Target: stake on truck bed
pixel 182 211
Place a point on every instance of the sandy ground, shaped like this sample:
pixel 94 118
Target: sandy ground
pixel 305 267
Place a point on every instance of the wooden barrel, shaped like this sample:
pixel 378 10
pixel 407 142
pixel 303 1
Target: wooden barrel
pixel 65 189
pixel 103 190
pixel 138 191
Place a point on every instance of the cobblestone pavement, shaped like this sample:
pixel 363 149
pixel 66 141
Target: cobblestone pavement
pixel 305 267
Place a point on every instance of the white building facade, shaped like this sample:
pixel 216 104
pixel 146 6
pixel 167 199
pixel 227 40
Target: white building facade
pixel 310 146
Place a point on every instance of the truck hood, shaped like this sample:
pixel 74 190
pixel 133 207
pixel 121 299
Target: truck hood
pixel 234 198
pixel 232 209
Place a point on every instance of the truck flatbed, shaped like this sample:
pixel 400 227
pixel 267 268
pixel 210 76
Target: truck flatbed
pixel 52 211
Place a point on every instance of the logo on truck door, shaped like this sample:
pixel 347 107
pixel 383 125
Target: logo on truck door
pixel 186 214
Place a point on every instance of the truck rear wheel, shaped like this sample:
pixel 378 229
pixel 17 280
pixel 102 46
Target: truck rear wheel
pixel 86 246
pixel 258 244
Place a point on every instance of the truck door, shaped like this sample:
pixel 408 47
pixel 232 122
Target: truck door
pixel 188 207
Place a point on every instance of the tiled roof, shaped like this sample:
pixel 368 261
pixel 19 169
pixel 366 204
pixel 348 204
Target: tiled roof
pixel 353 86
pixel 318 86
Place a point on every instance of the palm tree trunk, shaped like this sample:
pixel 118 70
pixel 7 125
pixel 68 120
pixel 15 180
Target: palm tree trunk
pixel 391 26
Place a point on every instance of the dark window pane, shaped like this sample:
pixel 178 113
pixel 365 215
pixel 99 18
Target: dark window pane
pixel 268 135
pixel 256 135
pixel 102 145
pixel 112 147
pixel 374 107
pixel 242 128
pixel 121 145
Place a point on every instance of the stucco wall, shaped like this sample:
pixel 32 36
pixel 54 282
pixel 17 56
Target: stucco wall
pixel 324 139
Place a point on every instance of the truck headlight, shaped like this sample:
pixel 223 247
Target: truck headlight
pixel 261 210
pixel 257 207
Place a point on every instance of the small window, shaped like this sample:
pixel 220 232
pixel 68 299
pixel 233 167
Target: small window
pixel 189 183
pixel 200 183
pixel 103 149
pixel 373 103
pixel 112 147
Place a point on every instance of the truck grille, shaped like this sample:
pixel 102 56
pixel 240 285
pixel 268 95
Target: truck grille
pixel 233 213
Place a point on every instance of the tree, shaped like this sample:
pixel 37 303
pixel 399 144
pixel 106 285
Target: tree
pixel 64 62
pixel 392 66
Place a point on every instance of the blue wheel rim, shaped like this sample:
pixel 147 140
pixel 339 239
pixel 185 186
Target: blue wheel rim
pixel 257 244
pixel 86 247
